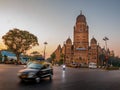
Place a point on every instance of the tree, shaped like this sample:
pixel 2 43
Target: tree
pixel 5 59
pixel 19 41
pixel 35 53
pixel 62 58
pixel 102 59
pixel 53 56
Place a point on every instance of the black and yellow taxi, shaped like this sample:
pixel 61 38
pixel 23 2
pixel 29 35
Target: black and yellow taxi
pixel 35 71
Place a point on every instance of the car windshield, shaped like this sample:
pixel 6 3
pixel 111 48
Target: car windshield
pixel 35 66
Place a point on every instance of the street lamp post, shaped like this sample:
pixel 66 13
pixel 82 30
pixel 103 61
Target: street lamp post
pixel 45 43
pixel 105 39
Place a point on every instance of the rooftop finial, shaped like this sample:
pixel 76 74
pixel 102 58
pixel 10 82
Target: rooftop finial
pixel 69 37
pixel 80 12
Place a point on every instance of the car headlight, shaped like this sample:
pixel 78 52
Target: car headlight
pixel 31 74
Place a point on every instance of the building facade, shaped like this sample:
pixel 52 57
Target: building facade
pixel 80 42
pixel 80 51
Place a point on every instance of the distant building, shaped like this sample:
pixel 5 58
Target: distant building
pixel 93 51
pixel 79 51
pixel 12 56
pixel 9 54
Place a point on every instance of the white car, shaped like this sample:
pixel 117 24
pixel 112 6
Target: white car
pixel 92 65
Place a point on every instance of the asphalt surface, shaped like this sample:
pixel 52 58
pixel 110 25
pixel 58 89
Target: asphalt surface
pixel 70 79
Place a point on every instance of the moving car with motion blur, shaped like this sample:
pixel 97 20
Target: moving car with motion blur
pixel 35 71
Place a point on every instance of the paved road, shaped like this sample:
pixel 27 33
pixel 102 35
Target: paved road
pixel 71 79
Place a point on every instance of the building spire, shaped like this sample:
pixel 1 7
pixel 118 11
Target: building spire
pixel 80 12
pixel 69 37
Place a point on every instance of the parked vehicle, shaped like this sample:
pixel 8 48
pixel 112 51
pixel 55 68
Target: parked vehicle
pixel 35 71
pixel 92 65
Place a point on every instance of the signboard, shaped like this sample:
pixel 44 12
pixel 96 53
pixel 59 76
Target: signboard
pixel 80 49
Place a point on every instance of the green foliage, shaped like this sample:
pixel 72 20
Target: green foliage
pixel 19 41
pixel 62 56
pixel 102 57
pixel 112 68
pixel 5 57
pixel 115 61
pixel 35 53
pixel 53 56
pixel 60 62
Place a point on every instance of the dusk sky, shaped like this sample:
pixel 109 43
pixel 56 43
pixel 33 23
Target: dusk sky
pixel 53 20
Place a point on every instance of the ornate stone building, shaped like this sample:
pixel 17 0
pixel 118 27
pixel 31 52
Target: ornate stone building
pixel 79 50
pixel 93 51
pixel 80 43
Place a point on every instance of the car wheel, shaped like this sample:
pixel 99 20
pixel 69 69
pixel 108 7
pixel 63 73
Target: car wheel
pixel 37 79
pixel 22 81
pixel 50 77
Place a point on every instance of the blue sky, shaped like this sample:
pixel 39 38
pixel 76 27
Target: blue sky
pixel 53 20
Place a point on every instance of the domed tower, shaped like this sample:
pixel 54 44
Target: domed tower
pixel 93 51
pixel 69 41
pixel 93 42
pixel 68 50
pixel 81 37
